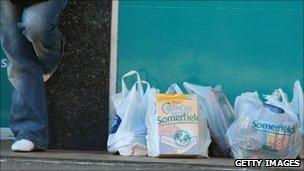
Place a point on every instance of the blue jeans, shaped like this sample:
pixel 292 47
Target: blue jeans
pixel 32 43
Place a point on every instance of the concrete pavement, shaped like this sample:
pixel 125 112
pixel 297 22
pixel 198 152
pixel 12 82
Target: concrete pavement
pixel 95 160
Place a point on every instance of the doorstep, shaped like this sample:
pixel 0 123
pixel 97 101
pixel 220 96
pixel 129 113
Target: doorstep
pixel 93 160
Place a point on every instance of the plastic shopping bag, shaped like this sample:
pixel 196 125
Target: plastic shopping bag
pixel 128 134
pixel 263 130
pixel 219 115
pixel 176 126
pixel 296 105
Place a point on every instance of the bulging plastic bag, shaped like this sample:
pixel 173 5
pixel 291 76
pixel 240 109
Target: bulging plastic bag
pixel 128 134
pixel 219 115
pixel 296 105
pixel 176 126
pixel 264 130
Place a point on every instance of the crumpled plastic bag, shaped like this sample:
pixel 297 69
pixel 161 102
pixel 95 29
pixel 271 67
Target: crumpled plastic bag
pixel 219 114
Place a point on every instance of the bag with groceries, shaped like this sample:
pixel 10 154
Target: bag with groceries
pixel 264 130
pixel 297 104
pixel 128 133
pixel 219 115
pixel 175 125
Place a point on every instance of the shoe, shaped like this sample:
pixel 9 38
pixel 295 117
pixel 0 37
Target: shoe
pixel 23 145
pixel 48 75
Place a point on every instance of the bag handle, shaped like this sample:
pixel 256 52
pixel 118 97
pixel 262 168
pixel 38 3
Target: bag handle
pixel 174 88
pixel 298 92
pixel 274 99
pixel 197 89
pixel 123 84
pixel 143 82
pixel 283 96
pixel 297 102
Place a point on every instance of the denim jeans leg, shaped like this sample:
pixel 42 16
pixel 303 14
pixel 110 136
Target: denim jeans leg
pixel 40 24
pixel 29 118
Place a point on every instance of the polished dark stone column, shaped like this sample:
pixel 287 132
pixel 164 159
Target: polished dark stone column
pixel 78 91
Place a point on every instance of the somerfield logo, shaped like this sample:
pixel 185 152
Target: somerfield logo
pixel 279 129
pixel 177 118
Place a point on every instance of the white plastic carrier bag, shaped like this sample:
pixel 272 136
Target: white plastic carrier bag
pixel 128 133
pixel 219 115
pixel 175 125
pixel 264 130
pixel 296 105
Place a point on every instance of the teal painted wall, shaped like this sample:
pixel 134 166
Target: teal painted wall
pixel 5 101
pixel 244 46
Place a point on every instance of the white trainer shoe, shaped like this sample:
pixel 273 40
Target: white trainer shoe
pixel 23 145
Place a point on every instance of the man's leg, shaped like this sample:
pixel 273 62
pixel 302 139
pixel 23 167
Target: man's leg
pixel 40 24
pixel 29 118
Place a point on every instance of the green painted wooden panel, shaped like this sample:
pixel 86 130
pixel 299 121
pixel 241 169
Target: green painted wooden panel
pixel 5 102
pixel 244 46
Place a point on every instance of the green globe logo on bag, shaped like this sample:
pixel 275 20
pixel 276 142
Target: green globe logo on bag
pixel 278 129
pixel 182 138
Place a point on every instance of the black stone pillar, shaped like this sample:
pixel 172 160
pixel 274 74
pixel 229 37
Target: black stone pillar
pixel 78 91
